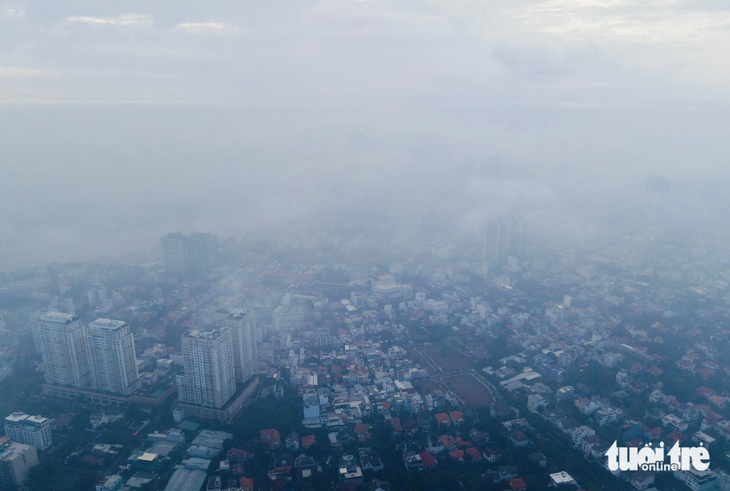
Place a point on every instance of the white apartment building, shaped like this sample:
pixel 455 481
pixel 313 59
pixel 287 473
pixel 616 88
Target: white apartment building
pixel 31 430
pixel 210 375
pixel 60 340
pixel 16 460
pixel 111 356
pixel 242 325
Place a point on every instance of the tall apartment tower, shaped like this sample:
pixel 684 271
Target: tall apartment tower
pixel 111 355
pixel 31 430
pixel 203 251
pixel 495 240
pixel 193 254
pixel 61 343
pixel 175 253
pixel 209 378
pixel 242 325
pixel 518 232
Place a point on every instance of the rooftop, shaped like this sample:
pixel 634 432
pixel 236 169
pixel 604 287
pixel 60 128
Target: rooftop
pixel 108 324
pixel 212 334
pixel 59 318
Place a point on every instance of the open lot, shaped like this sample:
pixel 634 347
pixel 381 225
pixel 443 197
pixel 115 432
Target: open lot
pixel 447 358
pixel 470 390
pixel 425 386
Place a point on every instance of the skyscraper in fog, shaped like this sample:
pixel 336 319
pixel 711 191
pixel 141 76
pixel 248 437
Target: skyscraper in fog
pixel 111 356
pixel 60 340
pixel 209 379
pixel 502 236
pixel 517 236
pixel 193 254
pixel 175 253
pixel 243 334
pixel 495 240
pixel 203 252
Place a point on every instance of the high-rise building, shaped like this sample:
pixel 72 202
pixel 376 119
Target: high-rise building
pixel 242 325
pixel 503 236
pixel 203 251
pixel 175 253
pixel 495 240
pixel 60 340
pixel 111 356
pixel 209 378
pixel 16 460
pixel 31 430
pixel 517 236
pixel 193 254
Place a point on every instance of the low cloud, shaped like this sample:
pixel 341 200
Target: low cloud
pixel 201 27
pixel 14 72
pixel 122 20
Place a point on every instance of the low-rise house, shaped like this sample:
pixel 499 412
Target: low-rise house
pixel 518 439
pixel 442 419
pixel 457 417
pixel 429 461
pixel 271 438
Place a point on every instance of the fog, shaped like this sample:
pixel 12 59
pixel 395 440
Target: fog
pixel 122 122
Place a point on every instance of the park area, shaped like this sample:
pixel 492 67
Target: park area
pixel 473 392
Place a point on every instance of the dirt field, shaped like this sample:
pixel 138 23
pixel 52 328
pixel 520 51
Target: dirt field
pixel 425 386
pixel 448 360
pixel 471 390
pixel 425 364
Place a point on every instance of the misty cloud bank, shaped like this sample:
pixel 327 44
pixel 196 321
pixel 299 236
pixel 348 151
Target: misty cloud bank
pixel 119 123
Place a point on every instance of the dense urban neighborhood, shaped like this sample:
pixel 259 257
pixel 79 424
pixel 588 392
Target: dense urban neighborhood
pixel 304 359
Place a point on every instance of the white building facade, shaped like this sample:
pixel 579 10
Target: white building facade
pixel 242 325
pixel 60 340
pixel 210 376
pixel 31 430
pixel 111 356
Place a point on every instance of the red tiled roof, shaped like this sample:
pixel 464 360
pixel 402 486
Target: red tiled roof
pixel 474 454
pixel 429 460
pixel 442 418
pixel 457 454
pixel 517 484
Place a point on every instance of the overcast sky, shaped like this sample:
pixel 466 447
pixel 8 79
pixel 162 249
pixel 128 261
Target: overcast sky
pixel 607 51
pixel 120 121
